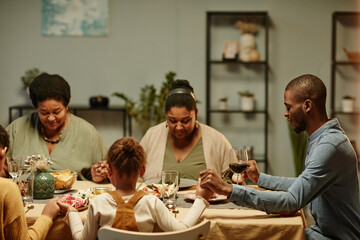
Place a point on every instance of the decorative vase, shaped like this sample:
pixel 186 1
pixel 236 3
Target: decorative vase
pixel 348 105
pixel 44 184
pixel 248 52
pixel 223 105
pixel 247 103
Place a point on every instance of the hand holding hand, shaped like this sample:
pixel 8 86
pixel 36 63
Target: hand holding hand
pixel 211 180
pixel 252 171
pixel 203 192
pixel 51 208
pixel 64 207
pixel 99 171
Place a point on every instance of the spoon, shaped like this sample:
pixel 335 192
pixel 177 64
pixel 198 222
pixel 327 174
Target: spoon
pixel 29 207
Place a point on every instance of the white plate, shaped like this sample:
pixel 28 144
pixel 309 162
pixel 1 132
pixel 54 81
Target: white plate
pixel 184 182
pixel 59 191
pixel 214 198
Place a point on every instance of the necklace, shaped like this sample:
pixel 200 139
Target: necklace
pixel 47 139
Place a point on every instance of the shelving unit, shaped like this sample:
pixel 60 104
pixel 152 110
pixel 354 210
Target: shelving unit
pixel 345 73
pixel 19 110
pixel 225 78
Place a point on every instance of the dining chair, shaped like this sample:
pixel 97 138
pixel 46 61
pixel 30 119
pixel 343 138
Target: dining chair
pixel 196 232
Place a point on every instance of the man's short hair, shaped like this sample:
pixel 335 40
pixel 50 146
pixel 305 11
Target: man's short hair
pixel 311 87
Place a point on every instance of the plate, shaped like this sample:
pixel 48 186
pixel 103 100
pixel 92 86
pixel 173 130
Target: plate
pixel 78 203
pixel 184 182
pixel 214 198
pixel 59 191
pixel 82 208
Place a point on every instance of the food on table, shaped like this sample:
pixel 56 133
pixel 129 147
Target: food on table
pixel 64 179
pixel 85 194
pixel 76 202
pixel 79 200
pixel 158 189
pixel 152 190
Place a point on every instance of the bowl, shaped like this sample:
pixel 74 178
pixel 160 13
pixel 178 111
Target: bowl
pixel 64 179
pixel 100 190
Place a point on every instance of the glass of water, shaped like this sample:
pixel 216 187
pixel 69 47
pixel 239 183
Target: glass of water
pixel 170 186
pixel 26 184
pixel 13 169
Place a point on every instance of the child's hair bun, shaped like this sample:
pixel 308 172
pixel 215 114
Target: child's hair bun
pixel 129 145
pixel 126 155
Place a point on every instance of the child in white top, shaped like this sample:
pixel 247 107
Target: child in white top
pixel 126 162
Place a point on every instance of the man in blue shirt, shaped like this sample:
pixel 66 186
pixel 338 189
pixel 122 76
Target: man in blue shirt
pixel 329 181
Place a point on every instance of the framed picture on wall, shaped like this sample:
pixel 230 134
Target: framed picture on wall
pixel 231 50
pixel 77 18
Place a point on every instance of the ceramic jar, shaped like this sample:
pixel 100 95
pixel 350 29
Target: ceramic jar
pixel 44 184
pixel 248 52
pixel 247 103
pixel 348 105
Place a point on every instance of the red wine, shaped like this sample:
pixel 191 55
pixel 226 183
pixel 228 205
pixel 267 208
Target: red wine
pixel 238 167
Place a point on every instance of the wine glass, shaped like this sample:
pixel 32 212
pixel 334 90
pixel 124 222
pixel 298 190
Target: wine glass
pixel 13 169
pixel 241 164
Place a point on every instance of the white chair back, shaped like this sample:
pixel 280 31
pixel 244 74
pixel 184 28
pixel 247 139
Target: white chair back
pixel 196 232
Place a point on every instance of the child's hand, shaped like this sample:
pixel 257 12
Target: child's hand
pixel 51 209
pixel 203 192
pixel 64 207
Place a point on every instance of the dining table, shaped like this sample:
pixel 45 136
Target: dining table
pixel 228 221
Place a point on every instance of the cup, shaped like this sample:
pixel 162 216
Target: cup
pixel 170 186
pixel 13 169
pixel 26 185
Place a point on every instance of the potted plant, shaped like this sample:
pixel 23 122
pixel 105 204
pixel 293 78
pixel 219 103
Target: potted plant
pixel 223 103
pixel 348 103
pixel 29 76
pixel 247 101
pixel 149 110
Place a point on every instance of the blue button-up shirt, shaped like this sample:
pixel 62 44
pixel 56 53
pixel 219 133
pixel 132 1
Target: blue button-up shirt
pixel 329 182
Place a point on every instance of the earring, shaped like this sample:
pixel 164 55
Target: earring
pixel 197 124
pixel 167 124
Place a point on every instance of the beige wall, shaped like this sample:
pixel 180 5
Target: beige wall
pixel 150 37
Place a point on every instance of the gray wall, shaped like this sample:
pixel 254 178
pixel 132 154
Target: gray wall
pixel 150 37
